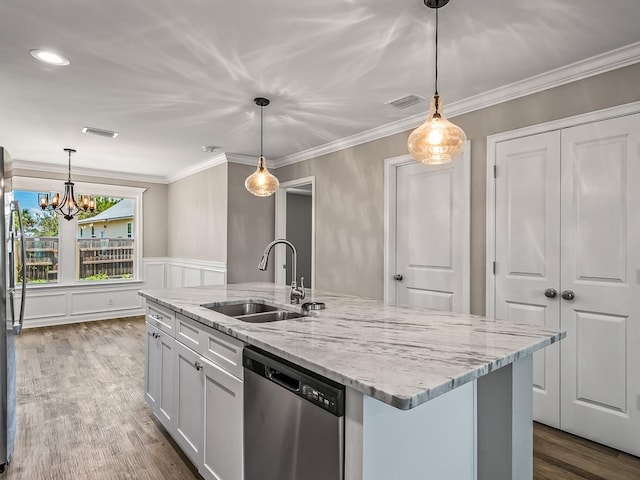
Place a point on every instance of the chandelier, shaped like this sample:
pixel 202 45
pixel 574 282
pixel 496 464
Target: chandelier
pixel 68 207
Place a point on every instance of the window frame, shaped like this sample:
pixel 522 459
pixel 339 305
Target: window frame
pixel 67 258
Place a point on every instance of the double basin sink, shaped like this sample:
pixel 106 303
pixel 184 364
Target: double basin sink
pixel 252 311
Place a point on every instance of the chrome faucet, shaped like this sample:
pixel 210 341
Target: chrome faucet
pixel 297 293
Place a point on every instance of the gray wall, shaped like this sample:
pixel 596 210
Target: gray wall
pixel 196 216
pixel 299 233
pixel 221 222
pixel 349 183
pixel 251 226
pixel 154 204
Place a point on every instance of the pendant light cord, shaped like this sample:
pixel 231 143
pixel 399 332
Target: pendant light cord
pixel 437 8
pixel 261 128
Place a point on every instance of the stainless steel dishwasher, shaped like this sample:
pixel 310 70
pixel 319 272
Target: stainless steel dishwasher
pixel 293 421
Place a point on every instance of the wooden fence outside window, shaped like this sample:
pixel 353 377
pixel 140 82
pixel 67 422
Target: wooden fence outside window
pixel 97 259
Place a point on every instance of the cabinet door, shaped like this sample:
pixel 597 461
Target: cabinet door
pixel 152 368
pixel 223 423
pixel 165 405
pixel 189 390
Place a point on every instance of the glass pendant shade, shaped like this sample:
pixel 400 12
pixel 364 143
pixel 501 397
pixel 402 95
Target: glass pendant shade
pixel 437 140
pixel 261 183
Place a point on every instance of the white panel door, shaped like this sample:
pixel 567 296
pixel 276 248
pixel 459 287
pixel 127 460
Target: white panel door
pixel 600 360
pixel 527 252
pixel 431 236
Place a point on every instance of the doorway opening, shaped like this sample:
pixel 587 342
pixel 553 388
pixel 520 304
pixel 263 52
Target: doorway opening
pixel 295 221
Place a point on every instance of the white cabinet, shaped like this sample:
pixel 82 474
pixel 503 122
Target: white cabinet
pixel 189 387
pixel 223 424
pixel 159 381
pixel 193 384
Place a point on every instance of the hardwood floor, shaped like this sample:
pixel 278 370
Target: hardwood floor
pixel 81 412
pixel 561 456
pixel 81 415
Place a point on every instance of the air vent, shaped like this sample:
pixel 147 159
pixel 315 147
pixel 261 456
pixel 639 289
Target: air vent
pixel 100 132
pixel 407 101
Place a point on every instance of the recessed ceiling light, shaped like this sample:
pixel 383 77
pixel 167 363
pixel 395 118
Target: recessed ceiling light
pixel 100 132
pixel 47 56
pixel 210 148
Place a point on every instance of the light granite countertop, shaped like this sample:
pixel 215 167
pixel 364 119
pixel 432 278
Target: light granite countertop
pixel 403 356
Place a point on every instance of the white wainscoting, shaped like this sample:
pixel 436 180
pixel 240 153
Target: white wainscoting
pixel 56 304
pixel 166 272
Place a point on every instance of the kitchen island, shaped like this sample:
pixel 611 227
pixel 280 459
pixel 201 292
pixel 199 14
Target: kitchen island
pixel 429 394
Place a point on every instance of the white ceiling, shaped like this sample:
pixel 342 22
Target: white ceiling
pixel 171 76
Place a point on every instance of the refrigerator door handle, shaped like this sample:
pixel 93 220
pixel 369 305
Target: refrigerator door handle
pixel 17 327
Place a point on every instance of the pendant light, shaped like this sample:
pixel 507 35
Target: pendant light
pixel 437 140
pixel 68 207
pixel 261 183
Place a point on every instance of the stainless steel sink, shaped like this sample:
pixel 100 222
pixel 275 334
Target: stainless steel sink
pixel 252 311
pixel 239 307
pixel 270 316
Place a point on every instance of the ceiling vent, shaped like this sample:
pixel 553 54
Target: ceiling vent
pixel 406 101
pixel 100 132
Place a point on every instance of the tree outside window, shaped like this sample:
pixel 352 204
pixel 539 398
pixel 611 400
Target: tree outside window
pixel 41 241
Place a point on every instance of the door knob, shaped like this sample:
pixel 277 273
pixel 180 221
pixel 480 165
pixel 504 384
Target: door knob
pixel 398 276
pixel 551 293
pixel 568 295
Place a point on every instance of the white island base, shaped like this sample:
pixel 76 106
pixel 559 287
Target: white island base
pixel 481 430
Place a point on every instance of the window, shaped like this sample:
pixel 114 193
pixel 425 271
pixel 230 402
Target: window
pixel 111 256
pixel 40 242
pixel 107 241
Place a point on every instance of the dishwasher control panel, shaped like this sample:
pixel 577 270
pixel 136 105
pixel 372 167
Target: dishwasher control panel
pixel 314 388
pixel 326 400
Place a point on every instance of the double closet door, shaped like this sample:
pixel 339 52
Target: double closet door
pixel 567 216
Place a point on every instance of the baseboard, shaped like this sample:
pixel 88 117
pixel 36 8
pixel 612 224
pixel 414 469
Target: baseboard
pixel 93 317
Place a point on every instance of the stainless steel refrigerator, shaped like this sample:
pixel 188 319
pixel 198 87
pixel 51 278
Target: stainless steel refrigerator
pixel 11 251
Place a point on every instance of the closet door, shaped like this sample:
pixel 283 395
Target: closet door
pixel 527 252
pixel 600 360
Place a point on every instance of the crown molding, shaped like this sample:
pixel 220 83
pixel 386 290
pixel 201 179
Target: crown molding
pixel 214 161
pixel 242 159
pixel 612 60
pixel 41 167
pixel 224 157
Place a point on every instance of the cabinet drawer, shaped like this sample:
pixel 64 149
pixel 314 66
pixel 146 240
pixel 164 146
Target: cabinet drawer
pixel 161 317
pixel 223 350
pixel 189 332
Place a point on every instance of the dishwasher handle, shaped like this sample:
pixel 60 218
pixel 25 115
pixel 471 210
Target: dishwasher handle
pixel 282 379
